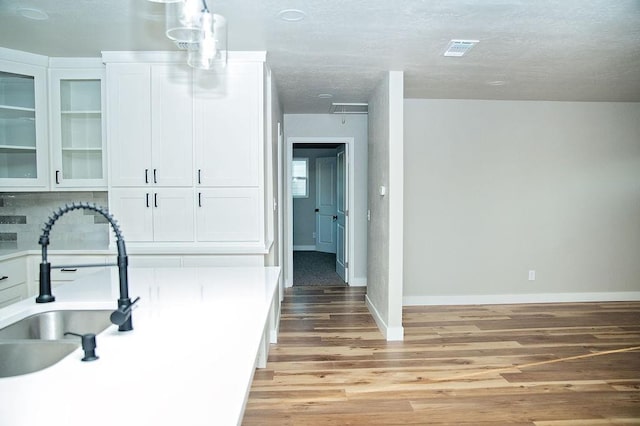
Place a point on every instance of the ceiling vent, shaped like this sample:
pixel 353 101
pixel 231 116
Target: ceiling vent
pixel 349 108
pixel 460 47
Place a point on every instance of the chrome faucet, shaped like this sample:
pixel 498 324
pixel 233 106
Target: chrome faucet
pixel 122 315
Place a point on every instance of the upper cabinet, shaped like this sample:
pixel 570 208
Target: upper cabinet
pixel 186 150
pixel 150 124
pixel 228 122
pixel 23 121
pixel 78 155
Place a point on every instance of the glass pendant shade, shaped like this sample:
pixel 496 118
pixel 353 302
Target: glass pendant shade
pixel 184 20
pixel 211 51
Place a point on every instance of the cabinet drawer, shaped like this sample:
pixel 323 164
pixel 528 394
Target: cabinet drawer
pixel 73 273
pixel 155 261
pixel 12 273
pixel 13 294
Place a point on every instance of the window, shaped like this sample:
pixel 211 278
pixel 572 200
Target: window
pixel 300 178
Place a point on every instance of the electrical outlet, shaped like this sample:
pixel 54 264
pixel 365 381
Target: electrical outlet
pixel 532 275
pixel 314 235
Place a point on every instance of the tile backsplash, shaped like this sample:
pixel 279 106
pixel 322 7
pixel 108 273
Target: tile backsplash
pixel 22 216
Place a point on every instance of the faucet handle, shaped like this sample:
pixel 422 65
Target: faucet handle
pixel 121 315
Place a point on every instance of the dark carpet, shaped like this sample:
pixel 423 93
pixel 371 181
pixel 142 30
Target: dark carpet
pixel 315 268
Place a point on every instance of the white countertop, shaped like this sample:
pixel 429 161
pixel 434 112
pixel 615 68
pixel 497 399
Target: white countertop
pixel 189 360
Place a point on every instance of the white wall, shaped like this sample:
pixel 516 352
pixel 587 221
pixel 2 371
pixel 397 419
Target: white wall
pixel 497 188
pixel 384 289
pixel 355 126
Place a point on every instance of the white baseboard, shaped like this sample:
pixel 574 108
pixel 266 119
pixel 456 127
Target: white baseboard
pixel 389 333
pixel 500 299
pixel 358 282
pixel 304 248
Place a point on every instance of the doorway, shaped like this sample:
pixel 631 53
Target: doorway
pixel 317 211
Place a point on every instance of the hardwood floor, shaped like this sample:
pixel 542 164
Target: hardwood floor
pixel 542 364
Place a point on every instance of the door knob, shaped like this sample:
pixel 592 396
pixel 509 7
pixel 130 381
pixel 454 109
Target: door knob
pixel 335 217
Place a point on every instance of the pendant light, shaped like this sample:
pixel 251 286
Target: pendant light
pixel 184 20
pixel 210 51
pixel 193 26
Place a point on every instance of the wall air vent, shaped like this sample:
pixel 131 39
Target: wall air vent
pixel 349 108
pixel 459 47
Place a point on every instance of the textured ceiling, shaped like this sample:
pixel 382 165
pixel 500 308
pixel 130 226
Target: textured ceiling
pixel 566 50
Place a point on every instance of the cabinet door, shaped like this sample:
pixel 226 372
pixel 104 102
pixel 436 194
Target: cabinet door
pixel 172 125
pixel 77 131
pixel 229 215
pixel 132 208
pixel 13 281
pixel 129 124
pixel 23 127
pixel 173 214
pixel 228 126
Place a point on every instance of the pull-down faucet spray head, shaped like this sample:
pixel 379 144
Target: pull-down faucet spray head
pixel 124 302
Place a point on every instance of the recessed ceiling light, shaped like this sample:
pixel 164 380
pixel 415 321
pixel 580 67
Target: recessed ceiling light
pixel 496 83
pixel 31 13
pixel 325 95
pixel 291 15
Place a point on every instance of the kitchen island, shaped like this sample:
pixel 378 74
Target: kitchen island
pixel 198 335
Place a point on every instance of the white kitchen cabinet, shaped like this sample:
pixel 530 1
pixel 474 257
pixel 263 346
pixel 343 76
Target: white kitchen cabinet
pixel 171 127
pixel 78 155
pixel 13 281
pixel 23 121
pixel 229 126
pixel 230 215
pixel 150 127
pixel 129 123
pixel 154 214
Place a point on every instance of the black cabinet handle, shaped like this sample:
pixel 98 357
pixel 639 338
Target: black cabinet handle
pixel 155 199
pixel 69 269
pixel 57 177
pixel 199 199
pixel 155 177
pixel 3 278
pixel 147 197
pixel 146 175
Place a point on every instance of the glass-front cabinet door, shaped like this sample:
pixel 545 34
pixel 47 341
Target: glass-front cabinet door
pixel 23 156
pixel 77 130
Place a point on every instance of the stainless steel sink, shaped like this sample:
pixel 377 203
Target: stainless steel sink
pixel 28 356
pixel 52 325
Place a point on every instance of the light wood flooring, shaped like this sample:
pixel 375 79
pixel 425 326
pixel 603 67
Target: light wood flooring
pixel 539 364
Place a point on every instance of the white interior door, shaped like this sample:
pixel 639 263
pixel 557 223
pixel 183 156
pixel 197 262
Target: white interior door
pixel 342 214
pixel 326 204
